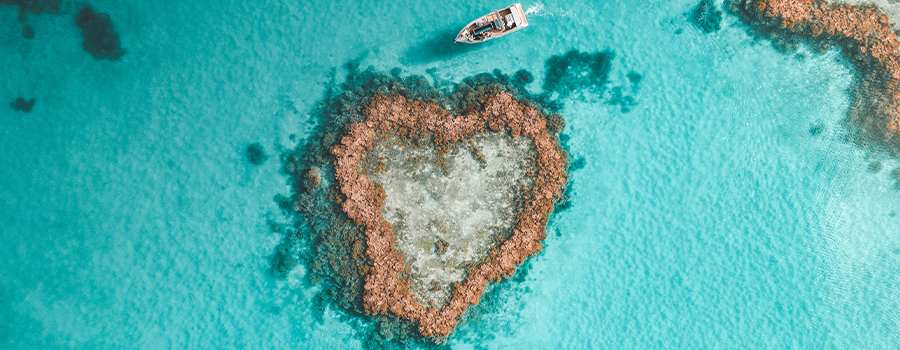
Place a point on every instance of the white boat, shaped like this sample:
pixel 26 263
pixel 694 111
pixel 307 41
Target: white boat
pixel 493 25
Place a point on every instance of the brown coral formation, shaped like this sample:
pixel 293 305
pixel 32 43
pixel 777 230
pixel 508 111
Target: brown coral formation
pixel 440 246
pixel 385 290
pixel 865 36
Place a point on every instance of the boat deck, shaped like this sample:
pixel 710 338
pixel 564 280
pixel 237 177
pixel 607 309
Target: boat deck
pixel 508 20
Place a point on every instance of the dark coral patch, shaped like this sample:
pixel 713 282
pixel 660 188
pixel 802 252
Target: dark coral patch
pixel 576 70
pixel 816 130
pixel 28 32
pixel 622 99
pixel 635 78
pixel 578 164
pixel 875 167
pixel 32 6
pixel 555 123
pixel 626 98
pixel 255 154
pixel 100 37
pixel 22 105
pixel 523 77
pixel 706 17
pixel 283 261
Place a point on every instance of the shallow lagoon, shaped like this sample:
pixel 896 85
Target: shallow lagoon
pixel 706 216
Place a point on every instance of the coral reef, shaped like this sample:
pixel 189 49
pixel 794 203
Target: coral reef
pixel 342 236
pixel 384 290
pixel 440 246
pixel 28 32
pixel 816 130
pixel 523 77
pixel 622 99
pixel 875 167
pixel 22 105
pixel 100 37
pixel 864 35
pixel 255 154
pixel 33 6
pixel 635 78
pixel 706 17
pixel 624 96
pixel 578 70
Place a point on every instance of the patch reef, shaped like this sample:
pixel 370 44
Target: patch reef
pixel 447 203
pixel 865 36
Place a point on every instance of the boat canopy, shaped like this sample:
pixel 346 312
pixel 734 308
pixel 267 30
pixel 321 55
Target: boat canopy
pixel 497 24
pixel 517 18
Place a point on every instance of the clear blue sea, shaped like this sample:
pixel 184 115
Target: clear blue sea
pixel 707 217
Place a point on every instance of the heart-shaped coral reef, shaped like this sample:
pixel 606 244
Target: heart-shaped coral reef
pixel 393 118
pixel 415 197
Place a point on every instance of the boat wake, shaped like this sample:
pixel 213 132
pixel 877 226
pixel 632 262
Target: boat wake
pixel 538 10
pixel 535 9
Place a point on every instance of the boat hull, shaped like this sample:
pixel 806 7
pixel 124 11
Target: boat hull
pixel 493 25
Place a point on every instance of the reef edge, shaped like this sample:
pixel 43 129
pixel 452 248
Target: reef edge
pixel 864 35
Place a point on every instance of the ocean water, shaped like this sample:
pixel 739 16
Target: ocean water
pixel 722 211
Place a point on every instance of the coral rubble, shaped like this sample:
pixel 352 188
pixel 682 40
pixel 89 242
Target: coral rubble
pixel 864 35
pixel 448 207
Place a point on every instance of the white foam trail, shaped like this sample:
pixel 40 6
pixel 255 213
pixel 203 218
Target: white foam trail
pixel 537 8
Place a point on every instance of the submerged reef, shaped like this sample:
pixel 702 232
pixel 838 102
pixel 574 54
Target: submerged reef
pixel 100 37
pixel 864 35
pixel 256 154
pixel 22 105
pixel 28 32
pixel 576 70
pixel 33 6
pixel 625 98
pixel 706 16
pixel 414 198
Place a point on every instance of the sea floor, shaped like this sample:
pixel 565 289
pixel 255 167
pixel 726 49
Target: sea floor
pixel 714 201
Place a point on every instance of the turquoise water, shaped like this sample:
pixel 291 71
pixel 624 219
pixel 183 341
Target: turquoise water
pixel 707 217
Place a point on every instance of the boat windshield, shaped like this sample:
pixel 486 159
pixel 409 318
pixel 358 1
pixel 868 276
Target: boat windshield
pixel 483 29
pixel 495 24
